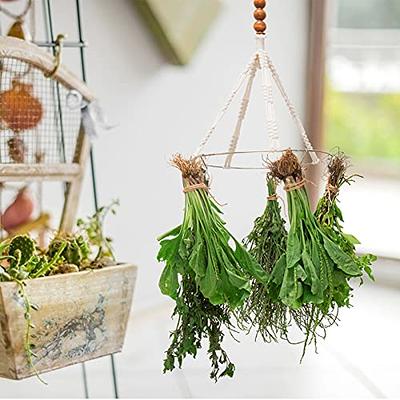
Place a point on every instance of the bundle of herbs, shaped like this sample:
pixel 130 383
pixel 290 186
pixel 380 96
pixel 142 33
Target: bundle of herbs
pixel 314 271
pixel 263 309
pixel 204 274
pixel 329 214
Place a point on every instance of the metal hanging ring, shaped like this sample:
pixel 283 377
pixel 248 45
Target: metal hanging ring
pixel 58 55
pixel 205 158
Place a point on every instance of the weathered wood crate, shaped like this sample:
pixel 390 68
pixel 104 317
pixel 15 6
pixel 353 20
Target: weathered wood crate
pixel 81 316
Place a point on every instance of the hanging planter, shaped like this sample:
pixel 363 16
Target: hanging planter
pixel 69 301
pixel 292 271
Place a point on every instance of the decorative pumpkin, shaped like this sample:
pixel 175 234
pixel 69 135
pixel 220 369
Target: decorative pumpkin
pixel 19 109
pixel 18 212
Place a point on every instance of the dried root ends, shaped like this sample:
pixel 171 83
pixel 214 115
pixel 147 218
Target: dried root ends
pixel 288 166
pixel 337 167
pixel 192 169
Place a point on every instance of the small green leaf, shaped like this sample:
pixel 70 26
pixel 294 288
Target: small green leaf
pixel 311 271
pixel 168 249
pixel 341 259
pixel 352 239
pixel 169 283
pixel 293 252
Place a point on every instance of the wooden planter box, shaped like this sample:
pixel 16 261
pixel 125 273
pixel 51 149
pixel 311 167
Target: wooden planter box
pixel 81 316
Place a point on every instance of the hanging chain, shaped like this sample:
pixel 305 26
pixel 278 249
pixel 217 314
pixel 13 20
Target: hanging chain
pixel 17 16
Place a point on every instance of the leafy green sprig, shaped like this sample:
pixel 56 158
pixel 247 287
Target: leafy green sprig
pixel 198 319
pixel 267 243
pixel 329 214
pixel 93 230
pixel 199 259
pixel 314 271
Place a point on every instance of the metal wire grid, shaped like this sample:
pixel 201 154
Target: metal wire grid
pixel 38 121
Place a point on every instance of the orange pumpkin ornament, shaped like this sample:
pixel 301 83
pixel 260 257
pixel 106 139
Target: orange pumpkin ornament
pixel 19 109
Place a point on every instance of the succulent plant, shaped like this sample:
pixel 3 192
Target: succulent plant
pixel 22 247
pixel 76 249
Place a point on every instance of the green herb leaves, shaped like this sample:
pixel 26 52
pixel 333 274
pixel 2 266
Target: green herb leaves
pixel 320 259
pixel 207 273
pixel 276 279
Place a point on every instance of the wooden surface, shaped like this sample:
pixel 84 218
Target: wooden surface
pixel 81 316
pixel 316 86
pixel 39 172
pixel 73 192
pixel 19 49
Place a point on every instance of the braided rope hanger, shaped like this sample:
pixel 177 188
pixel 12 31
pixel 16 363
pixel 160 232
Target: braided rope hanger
pixel 260 61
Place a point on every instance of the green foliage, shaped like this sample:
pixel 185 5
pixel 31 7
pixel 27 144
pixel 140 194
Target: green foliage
pixel 314 272
pixel 198 318
pixel 267 243
pixel 202 243
pixel 93 230
pixel 22 249
pixel 203 269
pixel 76 249
pixel 365 126
pixel 330 216
pixel 279 278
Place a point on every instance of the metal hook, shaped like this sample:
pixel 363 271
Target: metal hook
pixel 58 55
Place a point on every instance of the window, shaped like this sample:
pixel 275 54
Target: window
pixel 362 113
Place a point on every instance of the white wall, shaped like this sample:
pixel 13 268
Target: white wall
pixel 162 109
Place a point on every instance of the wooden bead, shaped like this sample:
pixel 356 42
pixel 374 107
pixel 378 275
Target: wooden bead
pixel 260 3
pixel 260 14
pixel 260 26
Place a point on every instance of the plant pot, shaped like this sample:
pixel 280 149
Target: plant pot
pixel 81 316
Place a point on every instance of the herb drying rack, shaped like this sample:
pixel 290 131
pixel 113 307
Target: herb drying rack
pixel 260 63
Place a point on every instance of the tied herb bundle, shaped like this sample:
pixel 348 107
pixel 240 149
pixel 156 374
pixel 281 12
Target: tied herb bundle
pixel 264 308
pixel 204 275
pixel 329 214
pixel 315 271
pixel 267 243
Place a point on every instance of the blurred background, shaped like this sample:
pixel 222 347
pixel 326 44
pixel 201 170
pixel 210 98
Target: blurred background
pixel 160 108
pixel 362 110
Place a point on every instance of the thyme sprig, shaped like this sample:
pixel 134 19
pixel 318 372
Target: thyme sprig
pixel 267 243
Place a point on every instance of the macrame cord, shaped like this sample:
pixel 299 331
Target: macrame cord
pixel 259 61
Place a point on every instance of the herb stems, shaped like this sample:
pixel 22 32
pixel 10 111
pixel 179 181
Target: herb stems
pixel 267 243
pixel 203 268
